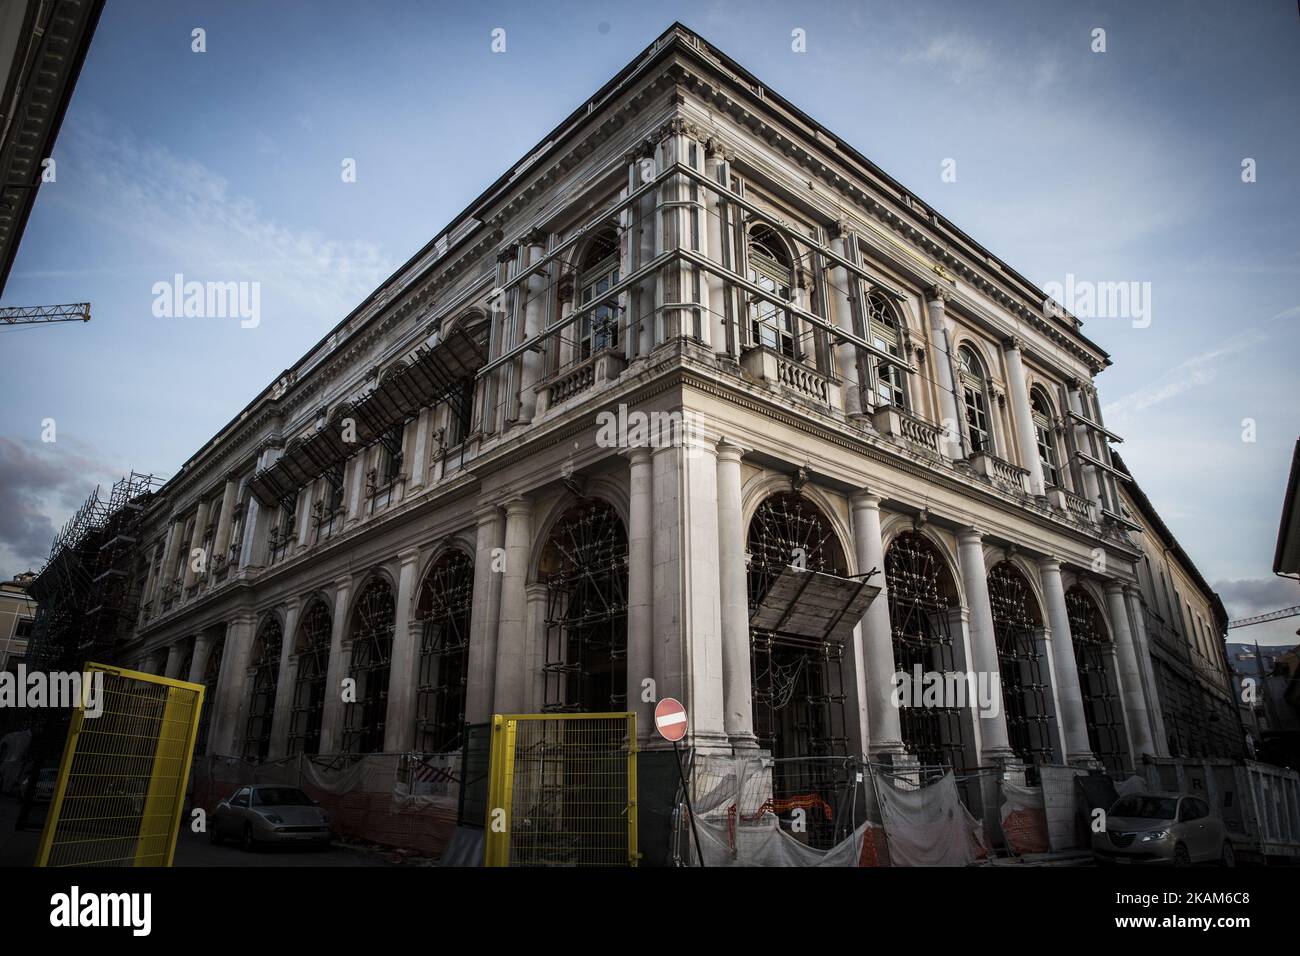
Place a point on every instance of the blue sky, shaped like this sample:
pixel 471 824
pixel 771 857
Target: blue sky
pixel 225 166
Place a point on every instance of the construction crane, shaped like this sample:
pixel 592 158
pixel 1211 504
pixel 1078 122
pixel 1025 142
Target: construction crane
pixel 40 314
pixel 1270 616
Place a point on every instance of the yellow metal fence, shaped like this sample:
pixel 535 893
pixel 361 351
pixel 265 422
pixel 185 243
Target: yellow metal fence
pixel 562 791
pixel 121 784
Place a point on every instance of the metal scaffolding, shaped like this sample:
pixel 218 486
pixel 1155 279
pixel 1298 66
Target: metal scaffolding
pixel 1017 622
pixel 585 568
pixel 444 611
pixel 312 648
pixel 364 719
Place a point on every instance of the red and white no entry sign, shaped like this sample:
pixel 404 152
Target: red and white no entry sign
pixel 670 719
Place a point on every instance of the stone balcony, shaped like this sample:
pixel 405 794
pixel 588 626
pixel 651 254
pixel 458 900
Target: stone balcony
pixel 784 375
pixel 1000 473
pixel 578 377
pixel 907 429
pixel 1076 506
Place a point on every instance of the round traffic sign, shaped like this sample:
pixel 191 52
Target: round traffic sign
pixel 670 719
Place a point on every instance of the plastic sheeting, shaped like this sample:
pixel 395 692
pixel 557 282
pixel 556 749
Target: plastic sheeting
pixel 1024 818
pixel 929 826
pixel 766 844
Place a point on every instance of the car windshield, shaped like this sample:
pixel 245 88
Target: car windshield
pixel 280 797
pixel 1156 808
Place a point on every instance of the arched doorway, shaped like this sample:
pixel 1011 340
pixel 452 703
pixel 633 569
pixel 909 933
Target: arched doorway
pixel 1017 624
pixel 312 649
pixel 371 633
pixel 798 682
pixel 584 566
pixel 444 610
pixel 1093 656
pixel 267 647
pixel 922 602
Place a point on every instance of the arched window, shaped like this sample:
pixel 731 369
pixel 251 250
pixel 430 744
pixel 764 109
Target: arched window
pixel 885 333
pixel 1017 620
pixel 1045 435
pixel 974 391
pixel 267 647
pixel 797 681
pixel 597 274
pixel 584 565
pixel 922 599
pixel 312 650
pixel 1092 657
pixel 211 674
pixel 446 602
pixel 771 270
pixel 372 654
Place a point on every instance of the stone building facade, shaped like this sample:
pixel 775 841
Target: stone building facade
pixel 559 459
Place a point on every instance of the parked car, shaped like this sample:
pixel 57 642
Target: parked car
pixel 1170 828
pixel 269 813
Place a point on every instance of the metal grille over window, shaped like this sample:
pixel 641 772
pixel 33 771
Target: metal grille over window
pixel 313 657
pixel 770 269
pixel 975 400
pixel 883 333
pixel 1017 623
pixel 1045 436
pixel 922 601
pixel 1093 654
pixel 585 569
pixel 446 603
pixel 798 682
pixel 266 676
pixel 372 654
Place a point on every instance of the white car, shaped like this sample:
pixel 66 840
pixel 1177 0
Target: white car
pixel 269 813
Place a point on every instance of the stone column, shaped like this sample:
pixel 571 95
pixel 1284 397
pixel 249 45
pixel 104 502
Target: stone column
pixel 279 745
pixel 994 742
pixel 418 468
pixel 1135 707
pixel 640 588
pixel 687 616
pixel 404 672
pixel 331 725
pixel 1160 739
pixel 481 677
pixel 202 647
pixel 717 169
pixel 510 663
pixel 1083 442
pixel 174 535
pixel 534 307
pixel 172 667
pixel 196 542
pixel 1024 418
pixel 846 353
pixel 1069 696
pixel 875 675
pixel 737 682
pixel 948 404
pixel 535 652
pixel 226 730
pixel 221 540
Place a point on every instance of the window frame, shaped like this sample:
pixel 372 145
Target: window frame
pixel 975 400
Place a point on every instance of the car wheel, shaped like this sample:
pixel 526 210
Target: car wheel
pixel 1228 857
pixel 248 843
pixel 1181 856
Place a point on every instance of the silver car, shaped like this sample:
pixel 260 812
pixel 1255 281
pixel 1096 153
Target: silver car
pixel 1169 828
pixel 269 813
